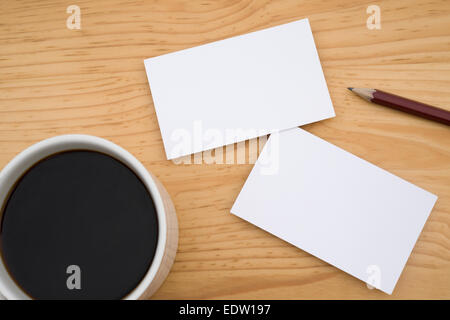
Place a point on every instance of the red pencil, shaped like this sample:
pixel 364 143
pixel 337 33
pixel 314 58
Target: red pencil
pixel 410 106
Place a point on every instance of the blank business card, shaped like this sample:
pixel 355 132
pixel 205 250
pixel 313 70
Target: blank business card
pixel 336 206
pixel 238 88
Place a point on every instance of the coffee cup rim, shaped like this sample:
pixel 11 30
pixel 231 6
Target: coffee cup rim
pixel 44 148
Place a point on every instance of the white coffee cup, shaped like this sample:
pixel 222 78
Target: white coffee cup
pixel 167 220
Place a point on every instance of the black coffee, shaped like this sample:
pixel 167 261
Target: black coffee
pixel 78 225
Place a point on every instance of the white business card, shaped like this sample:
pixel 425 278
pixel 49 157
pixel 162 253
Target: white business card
pixel 336 206
pixel 238 88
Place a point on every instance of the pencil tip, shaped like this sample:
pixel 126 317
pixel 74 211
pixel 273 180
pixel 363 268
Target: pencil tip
pixel 350 88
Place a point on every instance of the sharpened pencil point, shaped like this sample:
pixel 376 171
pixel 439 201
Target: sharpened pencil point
pixel 350 88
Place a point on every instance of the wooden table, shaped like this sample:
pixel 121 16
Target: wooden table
pixel 54 81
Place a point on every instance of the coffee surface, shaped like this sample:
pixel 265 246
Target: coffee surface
pixel 78 225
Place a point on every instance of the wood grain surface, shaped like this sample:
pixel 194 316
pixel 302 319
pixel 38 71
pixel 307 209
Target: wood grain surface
pixel 56 81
